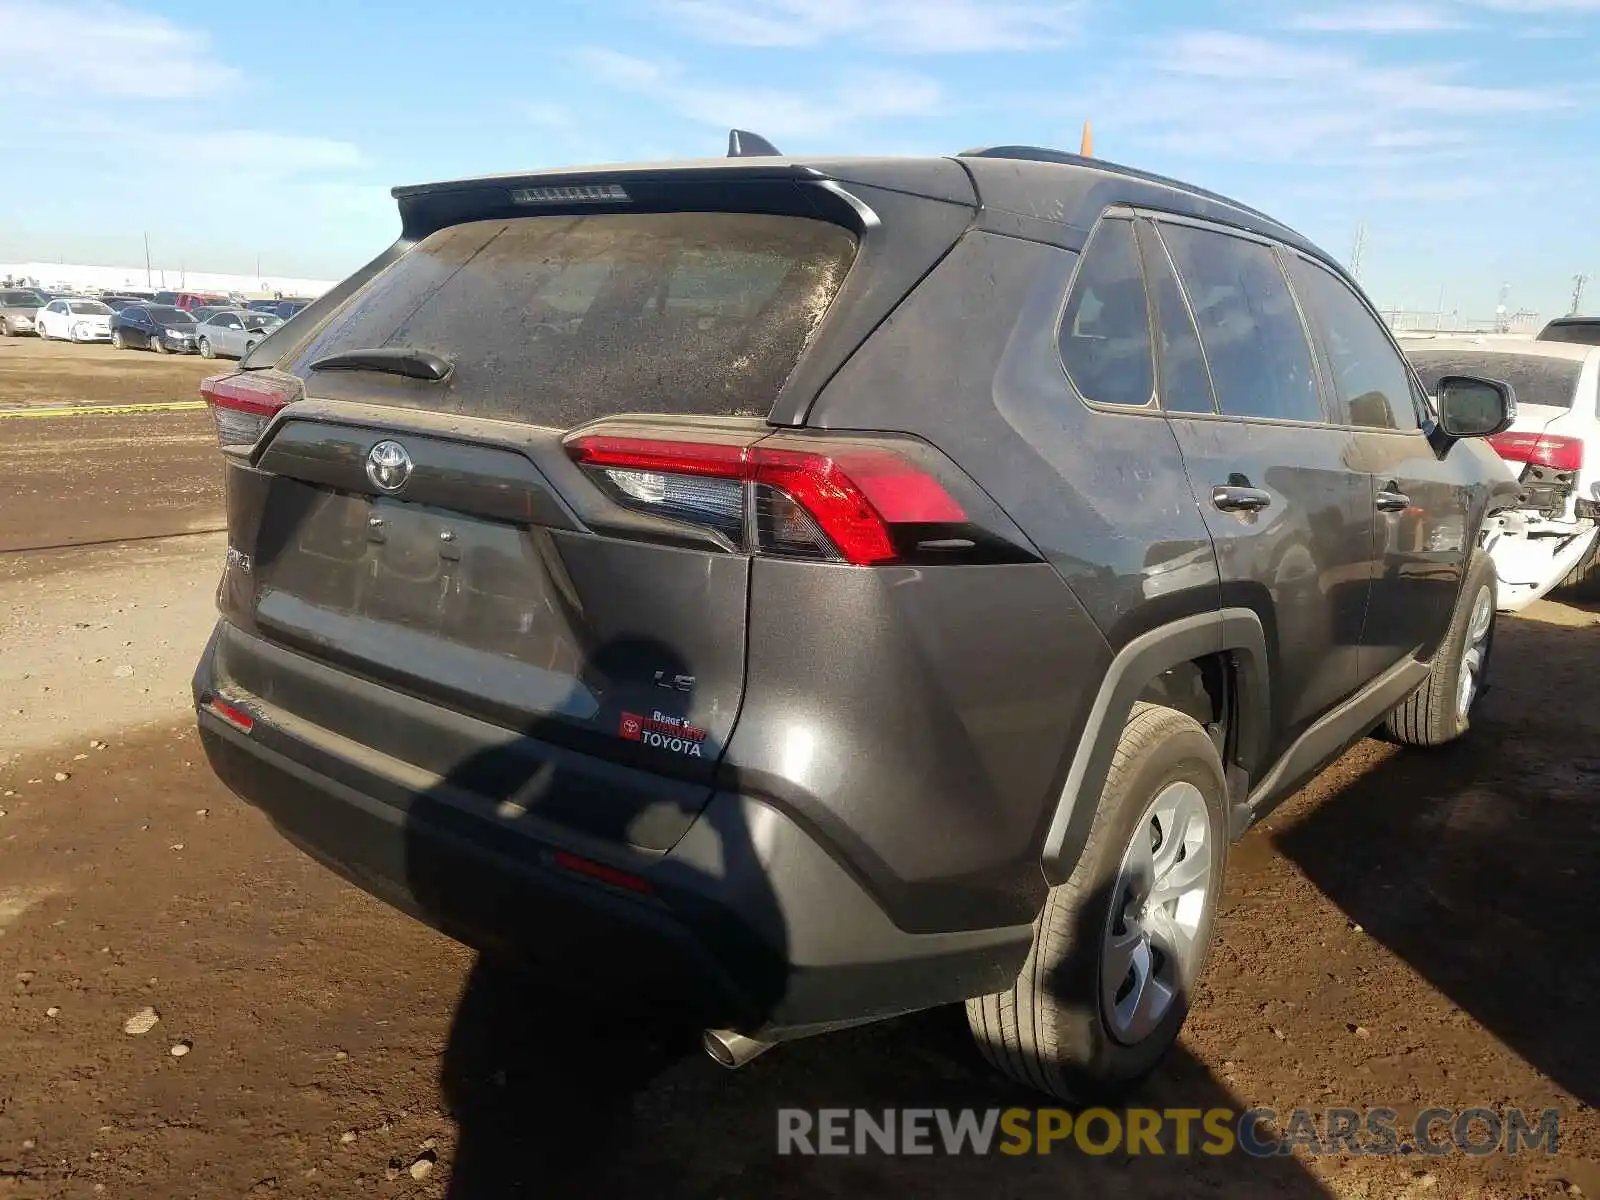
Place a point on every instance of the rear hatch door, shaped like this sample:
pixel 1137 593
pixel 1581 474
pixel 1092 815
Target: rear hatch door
pixel 412 518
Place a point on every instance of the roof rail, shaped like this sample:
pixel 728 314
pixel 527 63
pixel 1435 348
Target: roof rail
pixel 744 144
pixel 1046 155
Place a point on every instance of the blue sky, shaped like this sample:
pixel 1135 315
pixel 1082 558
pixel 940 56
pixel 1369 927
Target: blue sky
pixel 1463 132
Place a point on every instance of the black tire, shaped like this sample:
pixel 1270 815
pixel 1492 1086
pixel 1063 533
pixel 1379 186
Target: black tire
pixel 1050 1030
pixel 1431 715
pixel 1583 581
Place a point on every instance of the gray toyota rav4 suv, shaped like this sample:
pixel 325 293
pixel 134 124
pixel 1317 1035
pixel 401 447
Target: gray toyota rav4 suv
pixel 786 593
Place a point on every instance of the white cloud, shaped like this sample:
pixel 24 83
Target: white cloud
pixel 853 99
pixel 906 26
pixel 1224 95
pixel 104 50
pixel 548 116
pixel 1394 18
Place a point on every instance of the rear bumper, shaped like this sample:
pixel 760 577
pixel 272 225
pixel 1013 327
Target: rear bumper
pixel 748 922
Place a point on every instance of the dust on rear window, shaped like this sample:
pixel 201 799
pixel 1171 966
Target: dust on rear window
pixel 558 320
pixel 1552 382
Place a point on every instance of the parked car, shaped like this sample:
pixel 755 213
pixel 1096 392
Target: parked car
pixel 188 301
pixel 281 308
pixel 159 327
pixel 232 333
pixel 118 303
pixel 1552 450
pixel 787 605
pixel 1583 330
pixel 206 311
pixel 74 321
pixel 18 308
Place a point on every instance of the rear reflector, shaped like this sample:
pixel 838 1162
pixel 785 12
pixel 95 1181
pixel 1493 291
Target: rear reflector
pixel 837 502
pixel 1540 449
pixel 230 713
pixel 583 866
pixel 242 403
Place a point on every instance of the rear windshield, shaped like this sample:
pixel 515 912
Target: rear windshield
pixel 167 315
pixel 21 300
pixel 89 308
pixel 557 320
pixel 1584 333
pixel 1552 382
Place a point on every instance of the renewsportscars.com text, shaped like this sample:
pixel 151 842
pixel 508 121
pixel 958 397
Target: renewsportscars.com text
pixel 1258 1132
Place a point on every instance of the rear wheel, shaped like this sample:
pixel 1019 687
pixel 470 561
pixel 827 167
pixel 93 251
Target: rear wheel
pixel 1441 709
pixel 1119 946
pixel 1583 581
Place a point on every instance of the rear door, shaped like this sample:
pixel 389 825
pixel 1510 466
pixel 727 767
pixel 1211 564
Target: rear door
pixel 1287 506
pixel 1420 498
pixel 427 529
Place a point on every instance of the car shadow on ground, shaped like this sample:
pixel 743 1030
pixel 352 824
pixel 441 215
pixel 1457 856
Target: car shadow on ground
pixel 556 1093
pixel 1476 863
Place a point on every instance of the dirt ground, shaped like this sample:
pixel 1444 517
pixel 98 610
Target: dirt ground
pixel 97 477
pixel 1411 930
pixel 36 372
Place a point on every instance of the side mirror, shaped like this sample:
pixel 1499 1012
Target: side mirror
pixel 1470 407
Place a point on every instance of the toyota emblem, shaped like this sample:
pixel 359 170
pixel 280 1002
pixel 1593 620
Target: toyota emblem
pixel 388 466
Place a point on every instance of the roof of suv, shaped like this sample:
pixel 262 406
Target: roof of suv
pixel 1028 181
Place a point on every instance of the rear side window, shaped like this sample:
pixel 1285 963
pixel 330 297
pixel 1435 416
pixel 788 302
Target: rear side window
pixel 1369 376
pixel 1185 385
pixel 1261 363
pixel 1105 333
pixel 558 320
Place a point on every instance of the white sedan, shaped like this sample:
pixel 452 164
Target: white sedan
pixel 74 321
pixel 1552 538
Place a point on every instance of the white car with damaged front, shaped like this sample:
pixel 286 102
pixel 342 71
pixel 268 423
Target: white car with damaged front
pixel 1549 540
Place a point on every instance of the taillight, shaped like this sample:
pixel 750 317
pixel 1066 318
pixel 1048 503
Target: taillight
pixel 1540 449
pixel 833 501
pixel 242 403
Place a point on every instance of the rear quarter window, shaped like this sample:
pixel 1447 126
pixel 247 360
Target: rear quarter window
pixel 557 320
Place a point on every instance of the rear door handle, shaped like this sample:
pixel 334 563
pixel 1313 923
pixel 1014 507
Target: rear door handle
pixel 1239 499
pixel 1392 501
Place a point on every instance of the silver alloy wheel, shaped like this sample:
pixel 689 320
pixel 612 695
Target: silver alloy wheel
pixel 1474 653
pixel 1152 935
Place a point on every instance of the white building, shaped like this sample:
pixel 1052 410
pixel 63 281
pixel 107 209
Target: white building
pixel 78 277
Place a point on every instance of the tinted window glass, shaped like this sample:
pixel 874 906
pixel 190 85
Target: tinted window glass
pixel 1260 361
pixel 1184 384
pixel 561 319
pixel 1584 333
pixel 1552 382
pixel 1105 335
pixel 1369 376
pixel 228 320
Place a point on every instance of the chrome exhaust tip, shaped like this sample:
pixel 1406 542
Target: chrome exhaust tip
pixel 732 1050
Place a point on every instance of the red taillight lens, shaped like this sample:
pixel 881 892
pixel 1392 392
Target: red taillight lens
pixel 231 713
pixel 836 502
pixel 242 404
pixel 1540 449
pixel 584 866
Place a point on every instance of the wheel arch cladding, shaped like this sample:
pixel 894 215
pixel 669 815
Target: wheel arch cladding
pixel 1234 632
